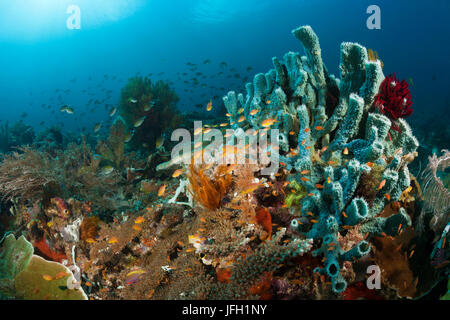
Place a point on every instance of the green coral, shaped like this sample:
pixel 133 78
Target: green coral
pixel 294 198
pixel 22 274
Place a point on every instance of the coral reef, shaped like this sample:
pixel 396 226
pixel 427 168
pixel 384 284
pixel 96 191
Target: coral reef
pixel 109 216
pixel 339 136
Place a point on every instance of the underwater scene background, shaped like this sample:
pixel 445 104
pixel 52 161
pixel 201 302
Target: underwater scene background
pixel 94 205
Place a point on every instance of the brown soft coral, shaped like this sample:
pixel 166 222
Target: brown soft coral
pixel 209 192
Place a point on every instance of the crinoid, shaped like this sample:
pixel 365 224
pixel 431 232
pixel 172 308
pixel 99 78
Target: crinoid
pixel 207 191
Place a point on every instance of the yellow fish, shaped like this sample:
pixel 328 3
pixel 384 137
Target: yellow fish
pixel 61 275
pixel 162 190
pixel 177 173
pixel 139 121
pixel 113 240
pixel 139 220
pixel 197 131
pixel 47 277
pixel 242 118
pixel 268 122
pixel 135 272
pixel 159 142
pixel 209 106
pixel 253 112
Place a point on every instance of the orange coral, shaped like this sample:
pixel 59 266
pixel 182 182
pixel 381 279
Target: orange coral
pixel 46 252
pixel 262 287
pixel 223 275
pixel 264 219
pixel 209 192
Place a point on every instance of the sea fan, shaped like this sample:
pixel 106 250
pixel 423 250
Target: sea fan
pixel 436 194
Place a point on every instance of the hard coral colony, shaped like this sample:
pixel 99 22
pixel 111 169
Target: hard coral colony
pixel 116 224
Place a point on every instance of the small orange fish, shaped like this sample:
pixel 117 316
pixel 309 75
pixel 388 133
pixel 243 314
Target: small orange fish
pixel 314 221
pixel 304 179
pixel 382 183
pixel 177 173
pixel 224 124
pixel 268 122
pixel 308 147
pixel 90 240
pixel 253 112
pixel 88 284
pixel 113 240
pixel 139 220
pixel 47 277
pixel 319 128
pixel 61 275
pixel 161 190
pixel 228 115
pixel 328 180
pixel 319 186
pixel 344 214
pixel 310 194
pixel 241 118
pixel 370 164
pixel 136 227
pixel 150 294
pixel 306 130
pixel 310 214
pixel 331 162
pixel 291 133
pixel 268 102
pixel 412 252
pixel 303 142
pixel 304 171
pixel 209 106
pixel 345 151
pixel 324 149
pixel 388 197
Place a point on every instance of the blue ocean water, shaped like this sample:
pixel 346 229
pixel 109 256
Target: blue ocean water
pixel 45 65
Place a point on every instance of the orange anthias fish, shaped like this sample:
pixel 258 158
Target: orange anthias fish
pixel 253 112
pixel 382 183
pixel 209 106
pixel 177 173
pixel 318 128
pixel 162 190
pixel 268 122
pixel 139 220
pixel 113 240
pixel 47 277
pixel 61 275
pixel 242 118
